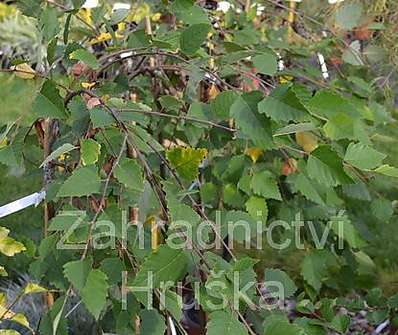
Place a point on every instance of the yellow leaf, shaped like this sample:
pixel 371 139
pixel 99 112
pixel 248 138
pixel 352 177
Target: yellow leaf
pixel 213 91
pixel 9 332
pixel 24 71
pixel 307 141
pixel 3 299
pixel 33 288
pixel 211 63
pixel 6 11
pixel 3 271
pixel 121 27
pixel 8 246
pixel 156 17
pixel 21 319
pixel 101 38
pixel 107 36
pixel 254 153
pixel 85 15
pixel 7 314
pixel 285 79
pixel 3 143
pixel 138 12
pixel 88 86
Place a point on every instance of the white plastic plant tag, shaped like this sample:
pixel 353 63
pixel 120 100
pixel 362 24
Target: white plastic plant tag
pixel 17 205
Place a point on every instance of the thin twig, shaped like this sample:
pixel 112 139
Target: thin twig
pixel 102 201
pixel 179 117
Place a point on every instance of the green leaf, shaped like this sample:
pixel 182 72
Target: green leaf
pixel 62 150
pixel 387 170
pixel 101 118
pixel 30 7
pixel 113 268
pixel 83 181
pixel 257 208
pixel 138 38
pixel 89 151
pixel 86 57
pixel 8 246
pixel 281 277
pixel 51 50
pixel 363 156
pixel 344 229
pixel 232 196
pixel 12 88
pixel 341 323
pixel 152 323
pixel 193 37
pixel 352 54
pixel 309 326
pixel 180 211
pixel 189 13
pixel 48 23
pixel 294 128
pixel 77 272
pixel 278 326
pixel 348 15
pixel 186 161
pixel 170 103
pixel 325 166
pixel 94 292
pixel 382 209
pixel 56 313
pixel 173 302
pixel 393 301
pixel 266 63
pixel 66 29
pixel 314 268
pixel 305 186
pixel 77 3
pixel 144 141
pixel 262 183
pixel 130 174
pixel 222 103
pixel 224 322
pixel 9 156
pixel 64 220
pixel 165 264
pixel 49 103
pixel 326 104
pixel 283 105
pixel 339 126
pixel 240 225
pixel 250 123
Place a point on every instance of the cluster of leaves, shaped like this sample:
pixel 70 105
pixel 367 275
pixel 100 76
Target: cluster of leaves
pixel 175 111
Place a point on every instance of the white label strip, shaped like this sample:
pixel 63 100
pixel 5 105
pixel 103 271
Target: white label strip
pixel 17 205
pixel 172 326
pixel 324 68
